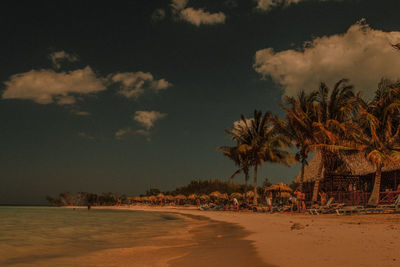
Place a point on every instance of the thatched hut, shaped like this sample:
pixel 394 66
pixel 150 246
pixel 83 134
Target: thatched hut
pixel 348 172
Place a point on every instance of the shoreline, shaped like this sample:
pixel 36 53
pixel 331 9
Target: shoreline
pixel 213 242
pixel 306 240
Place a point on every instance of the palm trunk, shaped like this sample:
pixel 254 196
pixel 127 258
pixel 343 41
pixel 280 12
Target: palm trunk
pixel 303 163
pixel 374 198
pixel 317 179
pixel 255 185
pixel 245 186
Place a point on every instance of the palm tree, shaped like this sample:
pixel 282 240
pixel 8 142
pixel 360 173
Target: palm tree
pixel 298 125
pixel 379 131
pixel 333 128
pixel 240 159
pixel 260 141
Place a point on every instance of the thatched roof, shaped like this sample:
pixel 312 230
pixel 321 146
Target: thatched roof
pixel 352 164
pixel 281 187
pixel 236 195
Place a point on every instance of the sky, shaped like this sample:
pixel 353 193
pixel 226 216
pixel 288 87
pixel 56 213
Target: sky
pixel 130 95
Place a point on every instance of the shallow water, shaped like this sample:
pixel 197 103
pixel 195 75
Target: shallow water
pixel 38 236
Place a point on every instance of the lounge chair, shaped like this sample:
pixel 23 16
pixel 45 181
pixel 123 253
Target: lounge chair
pixel 394 208
pixel 329 207
pixel 349 210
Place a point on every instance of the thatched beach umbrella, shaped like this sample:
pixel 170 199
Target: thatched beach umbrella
pixel 223 196
pixel 152 198
pixel 193 197
pixel 285 195
pixel 160 196
pixel 169 197
pixel 279 187
pixel 215 194
pixel 144 199
pixel 236 195
pixel 204 197
pixel 180 197
pixel 250 194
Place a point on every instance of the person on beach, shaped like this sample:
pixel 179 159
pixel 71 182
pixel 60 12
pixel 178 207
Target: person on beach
pixel 269 202
pixel 235 204
pixel 298 195
pixel 303 202
pixel 323 197
pixel 292 201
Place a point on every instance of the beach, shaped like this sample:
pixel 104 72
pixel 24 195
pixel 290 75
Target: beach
pixel 307 240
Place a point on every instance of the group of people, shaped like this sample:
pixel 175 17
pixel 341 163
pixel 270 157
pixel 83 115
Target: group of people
pixel 298 200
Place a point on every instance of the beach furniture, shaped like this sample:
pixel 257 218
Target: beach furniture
pixel 394 208
pixel 350 210
pixel 329 207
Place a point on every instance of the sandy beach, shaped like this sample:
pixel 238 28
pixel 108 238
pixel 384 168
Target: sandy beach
pixel 307 240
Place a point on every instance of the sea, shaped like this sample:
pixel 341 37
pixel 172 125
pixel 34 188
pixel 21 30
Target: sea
pixel 50 236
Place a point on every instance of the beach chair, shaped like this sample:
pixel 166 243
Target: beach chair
pixel 350 210
pixel 394 208
pixel 329 207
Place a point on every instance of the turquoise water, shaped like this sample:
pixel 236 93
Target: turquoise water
pixel 37 234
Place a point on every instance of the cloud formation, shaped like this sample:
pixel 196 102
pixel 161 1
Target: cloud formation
pixel 120 133
pixel 361 54
pixel 47 86
pixel 148 118
pixel 158 15
pixel 134 84
pixel 266 5
pixel 196 16
pixel 59 56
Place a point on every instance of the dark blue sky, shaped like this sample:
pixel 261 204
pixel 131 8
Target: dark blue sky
pixel 46 148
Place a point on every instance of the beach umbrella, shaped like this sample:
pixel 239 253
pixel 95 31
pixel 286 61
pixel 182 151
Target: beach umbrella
pixel 169 197
pixel 279 187
pixel 223 196
pixel 285 195
pixel 152 198
pixel 136 198
pixel 183 197
pixel 236 195
pixel 204 197
pixel 144 198
pixel 161 196
pixel 215 194
pixel 250 194
pixel 192 197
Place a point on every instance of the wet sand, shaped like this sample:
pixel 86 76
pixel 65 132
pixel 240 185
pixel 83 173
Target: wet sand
pixel 199 242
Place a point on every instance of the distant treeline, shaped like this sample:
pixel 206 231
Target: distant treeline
pixel 198 187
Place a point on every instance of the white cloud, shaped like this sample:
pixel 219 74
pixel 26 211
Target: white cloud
pixel 120 133
pixel 158 15
pixel 66 100
pixel 196 16
pixel 199 16
pixel 47 86
pixel 266 5
pixel 239 125
pixel 85 135
pixel 57 57
pixel 80 112
pixel 148 118
pixel 134 84
pixel 178 4
pixel 362 54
